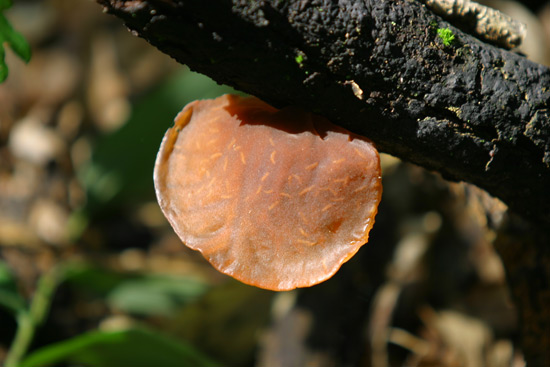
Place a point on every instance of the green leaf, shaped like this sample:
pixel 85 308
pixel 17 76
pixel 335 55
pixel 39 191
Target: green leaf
pixel 16 41
pixel 155 294
pixel 10 299
pixel 136 347
pixel 3 66
pixel 95 279
pixel 13 38
pixel 139 294
pixel 20 46
pixel 5 4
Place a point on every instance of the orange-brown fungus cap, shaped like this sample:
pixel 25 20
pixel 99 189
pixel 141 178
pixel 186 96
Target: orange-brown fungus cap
pixel 278 199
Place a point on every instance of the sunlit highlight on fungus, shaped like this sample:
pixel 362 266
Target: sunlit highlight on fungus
pixel 278 199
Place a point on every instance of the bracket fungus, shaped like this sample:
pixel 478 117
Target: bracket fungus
pixel 278 199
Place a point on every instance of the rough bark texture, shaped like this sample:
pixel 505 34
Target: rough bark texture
pixel 469 110
pixel 524 250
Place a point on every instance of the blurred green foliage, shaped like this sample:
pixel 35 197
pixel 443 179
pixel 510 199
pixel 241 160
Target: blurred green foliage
pixel 223 320
pixel 136 347
pixel 13 38
pixel 29 316
pixel 9 297
pixel 133 294
pixel 153 294
pixel 138 294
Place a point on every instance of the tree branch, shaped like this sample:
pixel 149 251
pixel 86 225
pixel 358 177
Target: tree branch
pixel 470 111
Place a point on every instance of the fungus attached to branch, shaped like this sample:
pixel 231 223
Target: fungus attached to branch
pixel 278 199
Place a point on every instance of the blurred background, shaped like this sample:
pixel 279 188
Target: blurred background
pixel 91 274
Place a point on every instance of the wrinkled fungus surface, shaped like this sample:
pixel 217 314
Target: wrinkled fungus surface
pixel 278 199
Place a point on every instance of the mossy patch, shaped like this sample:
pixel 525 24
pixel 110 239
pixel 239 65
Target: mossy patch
pixel 447 36
pixel 299 59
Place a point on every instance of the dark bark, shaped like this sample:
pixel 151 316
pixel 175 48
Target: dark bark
pixel 470 111
pixel 524 250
